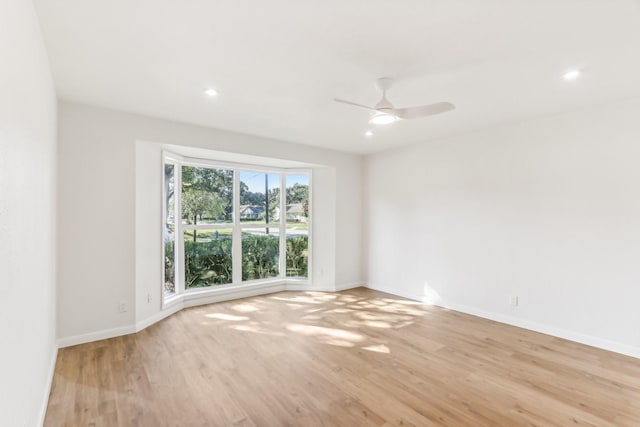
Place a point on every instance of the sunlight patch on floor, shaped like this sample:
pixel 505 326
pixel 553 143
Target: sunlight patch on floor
pixel 340 311
pixel 299 299
pixel 339 343
pixel 386 317
pixel 295 306
pixel 224 316
pixel 401 309
pixel 319 331
pixel 255 330
pixel 401 301
pixel 381 348
pixel 245 308
pixel 377 324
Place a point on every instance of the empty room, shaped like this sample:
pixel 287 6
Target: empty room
pixel 337 213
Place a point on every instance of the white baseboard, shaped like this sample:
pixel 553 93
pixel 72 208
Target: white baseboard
pixel 306 288
pixel 145 323
pixel 324 288
pixel 190 300
pixel 345 286
pixel 95 336
pixel 196 300
pixel 231 294
pixel 47 389
pixel 302 288
pixel 396 292
pixel 578 337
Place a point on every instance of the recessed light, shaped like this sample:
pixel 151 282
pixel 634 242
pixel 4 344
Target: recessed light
pixel 368 133
pixel 572 74
pixel 211 92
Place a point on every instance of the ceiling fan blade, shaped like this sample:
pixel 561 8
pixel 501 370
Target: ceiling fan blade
pixel 342 101
pixel 424 110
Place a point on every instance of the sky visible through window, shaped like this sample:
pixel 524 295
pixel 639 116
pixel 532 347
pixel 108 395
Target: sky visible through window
pixel 300 179
pixel 255 181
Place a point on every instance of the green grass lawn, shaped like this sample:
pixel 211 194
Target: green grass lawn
pixel 223 233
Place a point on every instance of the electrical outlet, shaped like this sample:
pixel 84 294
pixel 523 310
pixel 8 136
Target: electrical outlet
pixel 122 306
pixel 149 298
pixel 513 301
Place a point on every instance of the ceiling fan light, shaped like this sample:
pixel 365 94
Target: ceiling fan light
pixel 381 118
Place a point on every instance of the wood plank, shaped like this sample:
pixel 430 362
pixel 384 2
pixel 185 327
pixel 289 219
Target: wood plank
pixel 353 358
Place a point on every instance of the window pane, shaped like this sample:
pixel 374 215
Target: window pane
pixel 260 253
pixel 297 200
pixel 169 228
pixel 169 264
pixel 207 195
pixel 207 258
pixel 297 251
pixel 254 206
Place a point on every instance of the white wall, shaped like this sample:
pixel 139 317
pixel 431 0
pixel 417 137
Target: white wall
pixel 27 217
pixel 100 151
pixel 548 210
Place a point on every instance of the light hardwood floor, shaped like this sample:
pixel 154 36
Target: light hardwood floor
pixel 354 358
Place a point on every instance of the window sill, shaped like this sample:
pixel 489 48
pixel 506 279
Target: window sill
pixel 228 292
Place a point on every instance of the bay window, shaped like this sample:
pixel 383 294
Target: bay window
pixel 228 224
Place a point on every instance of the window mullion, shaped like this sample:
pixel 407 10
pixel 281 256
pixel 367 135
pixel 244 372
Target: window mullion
pixel 179 238
pixel 237 236
pixel 283 222
pixel 310 230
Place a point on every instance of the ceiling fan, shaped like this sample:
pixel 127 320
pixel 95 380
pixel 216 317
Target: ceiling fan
pixel 385 112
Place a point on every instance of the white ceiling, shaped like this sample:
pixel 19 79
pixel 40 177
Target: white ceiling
pixel 278 64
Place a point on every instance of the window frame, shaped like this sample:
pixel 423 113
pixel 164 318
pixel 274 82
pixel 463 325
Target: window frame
pixel 236 225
